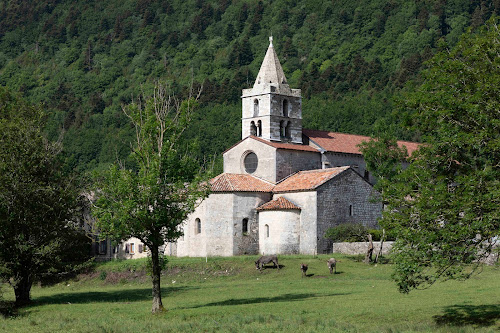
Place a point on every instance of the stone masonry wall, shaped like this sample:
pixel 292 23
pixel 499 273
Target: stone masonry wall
pixel 244 207
pixel 266 168
pixel 284 232
pixel 291 161
pixel 356 162
pixel 334 200
pixel 360 248
pixel 308 229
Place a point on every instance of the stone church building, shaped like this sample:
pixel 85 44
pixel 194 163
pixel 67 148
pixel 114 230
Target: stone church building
pixel 283 186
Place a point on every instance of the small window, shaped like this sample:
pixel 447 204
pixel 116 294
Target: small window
pixel 251 162
pixel 102 247
pixel 351 212
pixel 255 107
pixel 267 230
pixel 132 248
pixel 197 225
pixel 140 248
pixel 285 108
pixel 244 226
pixel 127 248
pixel 259 128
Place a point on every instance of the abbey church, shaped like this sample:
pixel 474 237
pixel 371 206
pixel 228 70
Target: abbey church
pixel 283 186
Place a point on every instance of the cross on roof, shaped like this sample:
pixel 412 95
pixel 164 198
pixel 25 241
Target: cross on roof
pixel 271 40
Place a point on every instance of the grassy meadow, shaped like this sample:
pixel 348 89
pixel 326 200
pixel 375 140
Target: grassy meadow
pixel 230 295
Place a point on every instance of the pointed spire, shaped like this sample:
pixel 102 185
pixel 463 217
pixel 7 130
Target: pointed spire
pixel 271 73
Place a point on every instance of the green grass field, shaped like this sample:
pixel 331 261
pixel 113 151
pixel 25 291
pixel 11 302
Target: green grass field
pixel 230 295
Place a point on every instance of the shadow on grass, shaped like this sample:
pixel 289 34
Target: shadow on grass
pixel 461 315
pixel 128 295
pixel 8 309
pixel 255 300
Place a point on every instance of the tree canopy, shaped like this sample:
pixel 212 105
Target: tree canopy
pixel 151 200
pixel 38 202
pixel 444 206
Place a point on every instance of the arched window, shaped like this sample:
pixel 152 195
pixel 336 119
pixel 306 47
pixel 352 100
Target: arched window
pixel 267 230
pixel 255 107
pixel 259 128
pixel 197 226
pixel 253 129
pixel 282 128
pixel 351 212
pixel 287 131
pixel 244 226
pixel 285 108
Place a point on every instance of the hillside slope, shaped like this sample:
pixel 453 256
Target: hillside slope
pixel 84 59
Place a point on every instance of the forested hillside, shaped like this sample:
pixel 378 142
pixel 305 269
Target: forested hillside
pixel 84 59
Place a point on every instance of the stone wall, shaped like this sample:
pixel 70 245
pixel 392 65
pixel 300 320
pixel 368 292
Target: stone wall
pixel 356 162
pixel 308 229
pixel 360 248
pixel 266 168
pixel 279 232
pixel 347 198
pixel 291 161
pixel 244 207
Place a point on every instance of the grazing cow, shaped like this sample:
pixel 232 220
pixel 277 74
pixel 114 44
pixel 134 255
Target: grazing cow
pixel 332 265
pixel 267 259
pixel 303 268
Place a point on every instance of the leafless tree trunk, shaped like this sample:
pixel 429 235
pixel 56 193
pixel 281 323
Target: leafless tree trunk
pixel 379 254
pixel 369 252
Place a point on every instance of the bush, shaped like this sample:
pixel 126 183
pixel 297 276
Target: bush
pixel 347 232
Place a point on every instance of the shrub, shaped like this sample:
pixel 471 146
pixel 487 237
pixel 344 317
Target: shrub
pixel 347 232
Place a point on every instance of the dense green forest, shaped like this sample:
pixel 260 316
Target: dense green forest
pixel 83 60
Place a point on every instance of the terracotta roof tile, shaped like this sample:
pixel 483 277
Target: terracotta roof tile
pixel 280 203
pixel 230 182
pixel 290 146
pixel 278 145
pixel 307 180
pixel 347 143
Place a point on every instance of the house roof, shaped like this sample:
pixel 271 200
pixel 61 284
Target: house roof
pixel 280 203
pixel 347 143
pixel 308 180
pixel 230 182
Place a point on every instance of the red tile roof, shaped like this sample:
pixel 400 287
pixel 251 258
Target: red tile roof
pixel 291 146
pixel 278 145
pixel 280 203
pixel 307 180
pixel 230 182
pixel 347 143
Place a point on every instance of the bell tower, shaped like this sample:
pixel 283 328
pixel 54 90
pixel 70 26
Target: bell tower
pixel 270 109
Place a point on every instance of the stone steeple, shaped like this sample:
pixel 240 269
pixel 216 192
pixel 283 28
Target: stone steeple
pixel 271 73
pixel 270 109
